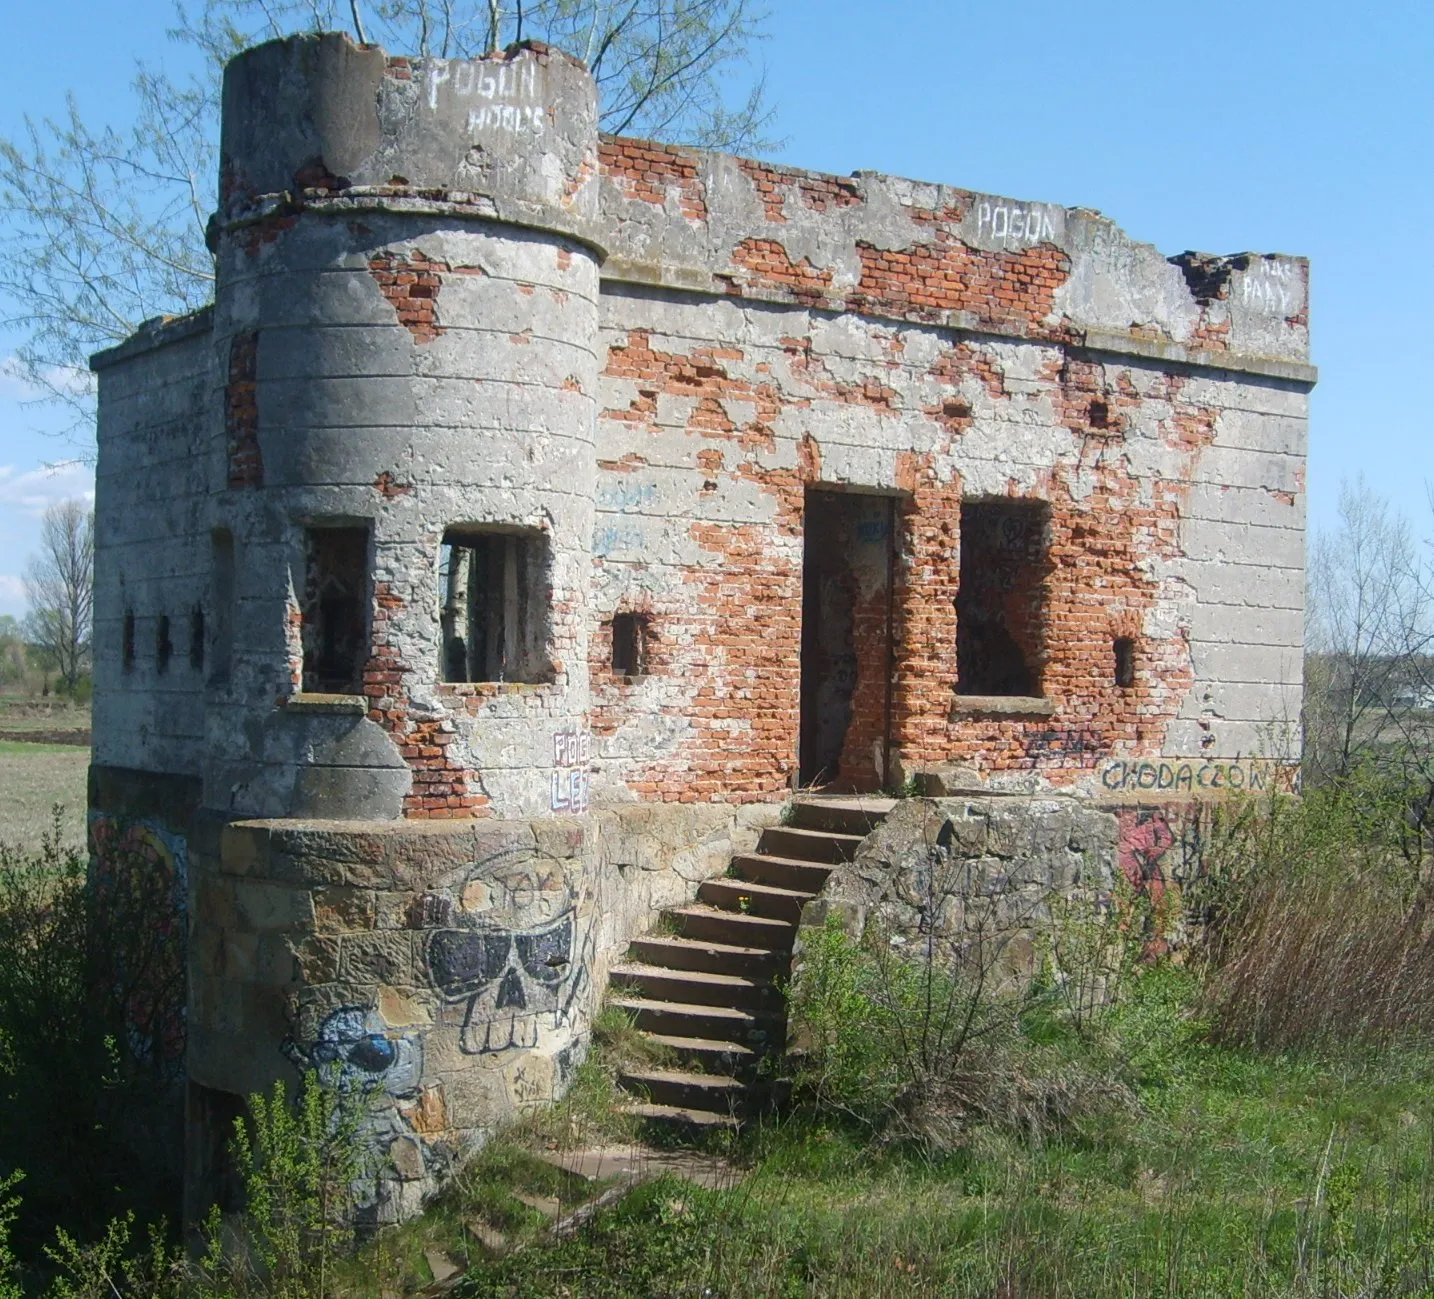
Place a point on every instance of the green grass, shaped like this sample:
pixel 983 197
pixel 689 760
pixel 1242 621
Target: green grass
pixel 1235 1175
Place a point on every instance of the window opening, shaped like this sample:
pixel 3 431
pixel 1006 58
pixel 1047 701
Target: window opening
pixel 335 610
pixel 1000 603
pixel 127 640
pixel 196 637
pixel 163 646
pixel 1124 661
pixel 221 576
pixel 629 644
pixel 495 612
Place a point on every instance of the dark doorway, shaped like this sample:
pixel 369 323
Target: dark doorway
pixel 848 567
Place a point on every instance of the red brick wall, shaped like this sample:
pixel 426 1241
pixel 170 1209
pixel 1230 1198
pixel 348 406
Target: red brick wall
pixel 729 624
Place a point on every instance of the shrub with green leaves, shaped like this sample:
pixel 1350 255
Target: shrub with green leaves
pixel 920 1050
pixel 95 1129
pixel 302 1164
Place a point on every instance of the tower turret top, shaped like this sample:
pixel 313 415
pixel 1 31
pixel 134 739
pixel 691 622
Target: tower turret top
pixel 512 135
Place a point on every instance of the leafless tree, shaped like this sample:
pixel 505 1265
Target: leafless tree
pixel 103 229
pixel 1369 641
pixel 59 585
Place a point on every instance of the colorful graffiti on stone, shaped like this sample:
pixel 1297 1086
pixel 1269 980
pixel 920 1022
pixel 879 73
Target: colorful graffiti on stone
pixel 512 948
pixel 355 1050
pixel 357 1055
pixel 139 869
pixel 1160 849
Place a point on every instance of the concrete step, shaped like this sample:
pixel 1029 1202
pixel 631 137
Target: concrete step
pixel 709 924
pixel 753 899
pixel 700 987
pixel 782 872
pixel 684 1019
pixel 808 845
pixel 704 1054
pixel 679 1117
pixel 715 1093
pixel 718 958
pixel 843 815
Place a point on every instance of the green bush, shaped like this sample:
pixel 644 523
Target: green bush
pixel 922 1051
pixel 94 1127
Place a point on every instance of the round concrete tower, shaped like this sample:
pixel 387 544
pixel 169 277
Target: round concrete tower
pixel 406 340
pixel 386 880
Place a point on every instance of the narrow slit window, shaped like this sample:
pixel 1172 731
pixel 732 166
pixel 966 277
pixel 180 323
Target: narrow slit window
pixel 496 598
pixel 335 610
pixel 221 576
pixel 163 645
pixel 1124 662
pixel 196 638
pixel 1000 602
pixel 629 644
pixel 127 640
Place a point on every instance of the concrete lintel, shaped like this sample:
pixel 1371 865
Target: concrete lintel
pixel 963 706
pixel 310 702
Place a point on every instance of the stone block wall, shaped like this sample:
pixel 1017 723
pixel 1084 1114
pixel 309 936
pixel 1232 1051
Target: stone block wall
pixel 453 967
pixel 970 882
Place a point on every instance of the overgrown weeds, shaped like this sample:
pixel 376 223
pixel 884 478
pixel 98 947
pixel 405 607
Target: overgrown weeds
pixel 1317 928
pixel 85 1112
pixel 917 1048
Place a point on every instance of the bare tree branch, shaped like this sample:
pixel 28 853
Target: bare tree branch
pixel 100 231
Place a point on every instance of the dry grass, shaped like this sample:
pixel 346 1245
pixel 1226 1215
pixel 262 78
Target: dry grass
pixel 33 778
pixel 1321 929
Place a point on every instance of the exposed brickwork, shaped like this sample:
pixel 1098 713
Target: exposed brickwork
pixel 818 192
pixel 648 171
pixel 769 267
pixel 315 175
pixel 387 486
pixel 411 284
pixel 1099 587
pixel 443 786
pixel 927 280
pixel 265 231
pixel 241 412
pixel 732 665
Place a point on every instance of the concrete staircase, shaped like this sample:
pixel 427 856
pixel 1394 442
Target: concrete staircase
pixel 704 986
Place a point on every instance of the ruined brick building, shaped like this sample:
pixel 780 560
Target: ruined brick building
pixel 534 510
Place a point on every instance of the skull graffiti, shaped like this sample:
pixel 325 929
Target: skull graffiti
pixel 511 980
pixel 354 1049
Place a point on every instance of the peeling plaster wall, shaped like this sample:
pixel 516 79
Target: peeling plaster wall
pixel 1178 522
pixel 444 301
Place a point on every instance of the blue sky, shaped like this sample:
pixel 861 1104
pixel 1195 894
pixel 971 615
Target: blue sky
pixel 1274 127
